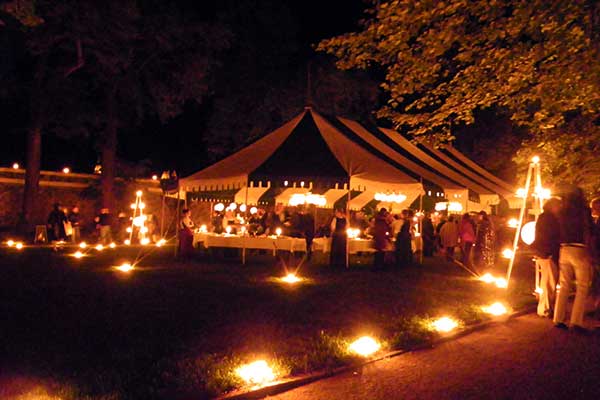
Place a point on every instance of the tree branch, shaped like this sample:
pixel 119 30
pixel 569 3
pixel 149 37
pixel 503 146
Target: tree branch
pixel 80 59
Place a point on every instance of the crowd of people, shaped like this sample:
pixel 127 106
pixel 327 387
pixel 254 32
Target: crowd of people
pixel 64 224
pixel 567 249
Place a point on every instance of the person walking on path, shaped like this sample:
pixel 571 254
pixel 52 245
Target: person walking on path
pixel 339 238
pixel 574 259
pixel 546 247
pixel 449 237
pixel 56 223
pixel 484 242
pixel 466 233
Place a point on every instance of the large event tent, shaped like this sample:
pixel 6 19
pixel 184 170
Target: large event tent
pixel 341 158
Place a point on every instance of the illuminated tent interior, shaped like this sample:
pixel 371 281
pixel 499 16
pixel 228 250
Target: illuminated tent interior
pixel 342 159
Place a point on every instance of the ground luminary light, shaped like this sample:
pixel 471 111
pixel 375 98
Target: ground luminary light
pixel 256 373
pixel 364 346
pixel 495 309
pixel 444 324
pixel 291 278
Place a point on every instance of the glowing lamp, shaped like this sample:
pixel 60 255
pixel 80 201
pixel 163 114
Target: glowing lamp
pixel 539 290
pixel 257 373
pixel 501 283
pixel 228 229
pixel 232 206
pixel 495 309
pixel 128 229
pixel 278 231
pixel 18 245
pixel 243 208
pixel 99 247
pixel 78 254
pixel 528 232
pixel 83 245
pixel 243 230
pixel 352 233
pixel 285 183
pixel 253 210
pixel 144 229
pixel 203 228
pixel 455 206
pixel 112 245
pixel 535 159
pixel 10 243
pixel 142 206
pixel 441 206
pixel 15 166
pixel 144 241
pixel 125 267
pixel 521 192
pixel 513 223
pixel 219 207
pixel 444 324
pixel 487 278
pixel 291 278
pixel 390 198
pixel 127 242
pixel 507 253
pixel 138 193
pixel 154 177
pixel 364 346
pixel 160 242
pixel 66 170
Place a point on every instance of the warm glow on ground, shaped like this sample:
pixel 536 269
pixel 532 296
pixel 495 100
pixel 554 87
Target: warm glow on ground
pixel 256 373
pixel 83 245
pixel 78 254
pixel 99 247
pixel 145 241
pixel 444 324
pixel 18 245
pixel 487 278
pixel 291 278
pixel 495 309
pixel 10 243
pixel 125 267
pixel 364 346
pixel 112 245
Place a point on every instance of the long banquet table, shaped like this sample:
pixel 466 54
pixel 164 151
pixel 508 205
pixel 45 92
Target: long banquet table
pixel 285 243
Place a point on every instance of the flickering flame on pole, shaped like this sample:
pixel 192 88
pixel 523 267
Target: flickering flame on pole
pixel 364 346
pixel 256 373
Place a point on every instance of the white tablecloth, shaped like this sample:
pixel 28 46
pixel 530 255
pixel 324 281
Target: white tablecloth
pixel 285 243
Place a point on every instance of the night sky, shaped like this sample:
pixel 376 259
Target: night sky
pixel 179 143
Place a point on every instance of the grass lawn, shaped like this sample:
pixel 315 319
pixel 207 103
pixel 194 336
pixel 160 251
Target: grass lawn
pixel 76 327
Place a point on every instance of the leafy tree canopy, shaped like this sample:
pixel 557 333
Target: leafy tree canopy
pixel 535 59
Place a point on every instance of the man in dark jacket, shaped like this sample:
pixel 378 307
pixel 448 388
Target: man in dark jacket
pixel 546 247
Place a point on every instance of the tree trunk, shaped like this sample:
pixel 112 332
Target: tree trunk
pixel 109 152
pixel 32 175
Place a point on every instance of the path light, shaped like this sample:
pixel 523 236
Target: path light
pixel 487 278
pixel 444 324
pixel 99 247
pixel 78 254
pixel 154 177
pixel 18 245
pixel 144 241
pixel 112 245
pixel 513 223
pixel 256 373
pixel 278 231
pixel 127 242
pixel 364 346
pixel 66 170
pixel 138 193
pixel 501 283
pixel 507 253
pixel 495 309
pixel 125 267
pixel 83 245
pixel 160 242
pixel 291 278
pixel 10 243
pixel 15 166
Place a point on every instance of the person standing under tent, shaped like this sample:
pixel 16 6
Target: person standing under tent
pixel 546 247
pixel 403 245
pixel 449 237
pixel 574 261
pixel 381 239
pixel 427 235
pixel 186 234
pixel 466 234
pixel 484 242
pixel 339 239
pixel 75 220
